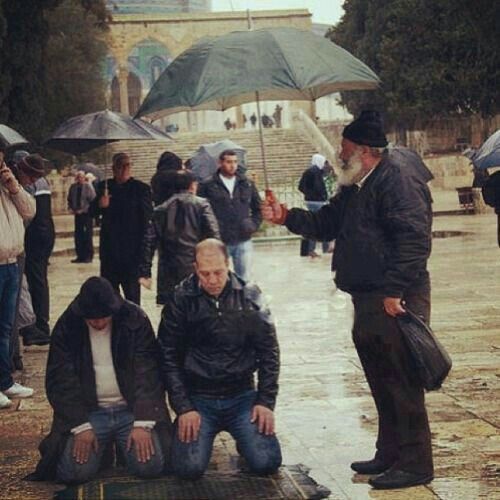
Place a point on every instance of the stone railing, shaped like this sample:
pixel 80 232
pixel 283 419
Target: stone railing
pixel 304 125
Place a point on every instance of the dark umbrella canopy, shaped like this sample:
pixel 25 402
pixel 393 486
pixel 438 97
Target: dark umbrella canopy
pixel 9 137
pixel 206 160
pixel 488 155
pixel 83 133
pixel 279 64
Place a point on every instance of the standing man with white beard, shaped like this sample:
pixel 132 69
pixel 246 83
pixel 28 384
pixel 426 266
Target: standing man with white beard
pixel 381 222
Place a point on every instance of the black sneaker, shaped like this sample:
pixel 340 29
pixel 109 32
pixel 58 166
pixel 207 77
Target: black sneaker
pixel 34 336
pixel 394 478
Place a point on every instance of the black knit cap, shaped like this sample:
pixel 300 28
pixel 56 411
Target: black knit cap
pixel 366 130
pixel 97 299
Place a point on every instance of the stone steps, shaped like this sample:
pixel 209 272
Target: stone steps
pixel 287 152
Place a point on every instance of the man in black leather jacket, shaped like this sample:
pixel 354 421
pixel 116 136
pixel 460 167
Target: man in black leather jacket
pixel 215 333
pixel 381 222
pixel 180 223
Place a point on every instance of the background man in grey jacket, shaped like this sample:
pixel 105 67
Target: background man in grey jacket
pixel 80 196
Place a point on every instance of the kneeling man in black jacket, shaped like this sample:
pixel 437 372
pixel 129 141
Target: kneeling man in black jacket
pixel 215 332
pixel 103 382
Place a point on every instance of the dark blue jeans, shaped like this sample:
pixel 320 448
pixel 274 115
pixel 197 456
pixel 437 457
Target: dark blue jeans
pixel 262 453
pixel 9 286
pixel 109 425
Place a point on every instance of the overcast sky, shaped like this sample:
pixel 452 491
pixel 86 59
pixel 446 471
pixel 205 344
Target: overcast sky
pixel 323 11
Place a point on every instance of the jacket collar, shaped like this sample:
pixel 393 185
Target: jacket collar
pixel 191 286
pixel 216 177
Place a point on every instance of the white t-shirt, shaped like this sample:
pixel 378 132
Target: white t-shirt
pixel 229 183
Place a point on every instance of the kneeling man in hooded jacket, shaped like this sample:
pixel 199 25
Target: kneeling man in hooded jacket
pixel 104 385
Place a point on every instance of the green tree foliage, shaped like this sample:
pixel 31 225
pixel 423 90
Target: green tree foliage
pixel 74 59
pixel 30 72
pixel 434 57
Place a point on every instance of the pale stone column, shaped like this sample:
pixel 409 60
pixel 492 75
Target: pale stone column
pixel 123 81
pixel 239 117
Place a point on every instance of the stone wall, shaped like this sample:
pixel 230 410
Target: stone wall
pixel 60 188
pixel 450 171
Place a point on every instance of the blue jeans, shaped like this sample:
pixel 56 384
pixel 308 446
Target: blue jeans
pixel 314 206
pixel 241 253
pixel 262 453
pixel 109 425
pixel 9 286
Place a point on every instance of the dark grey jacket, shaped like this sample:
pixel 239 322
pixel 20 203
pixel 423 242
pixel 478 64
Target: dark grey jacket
pixel 238 216
pixel 87 196
pixel 382 232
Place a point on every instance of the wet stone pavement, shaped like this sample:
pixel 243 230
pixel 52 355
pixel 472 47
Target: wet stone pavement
pixel 325 415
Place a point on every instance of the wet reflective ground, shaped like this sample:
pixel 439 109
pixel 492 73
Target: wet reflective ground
pixel 325 415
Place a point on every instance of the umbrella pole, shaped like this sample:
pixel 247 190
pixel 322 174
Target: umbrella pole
pixel 262 145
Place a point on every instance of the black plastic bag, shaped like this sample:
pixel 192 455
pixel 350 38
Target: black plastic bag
pixel 431 361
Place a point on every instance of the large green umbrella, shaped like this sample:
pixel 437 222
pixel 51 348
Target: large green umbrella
pixel 247 66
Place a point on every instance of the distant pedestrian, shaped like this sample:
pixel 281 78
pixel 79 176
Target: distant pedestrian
pixel 180 223
pixel 245 120
pixel 253 120
pixel 16 207
pixel 236 204
pixel 80 196
pixel 312 186
pixel 126 207
pixel 228 124
pixel 277 115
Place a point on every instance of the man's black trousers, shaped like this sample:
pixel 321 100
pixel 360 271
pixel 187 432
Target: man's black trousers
pixel 36 273
pixel 404 436
pixel 130 284
pixel 83 237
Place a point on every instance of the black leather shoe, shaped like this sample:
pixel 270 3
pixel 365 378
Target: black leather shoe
pixel 394 478
pixel 34 336
pixel 374 466
pixel 76 261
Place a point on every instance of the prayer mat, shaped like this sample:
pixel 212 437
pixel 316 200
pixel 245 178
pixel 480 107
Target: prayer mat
pixel 290 483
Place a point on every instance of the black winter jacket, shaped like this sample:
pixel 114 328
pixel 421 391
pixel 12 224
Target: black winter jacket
pixel 238 216
pixel 382 231
pixel 312 184
pixel 70 378
pixel 213 346
pixel 180 224
pixel 125 223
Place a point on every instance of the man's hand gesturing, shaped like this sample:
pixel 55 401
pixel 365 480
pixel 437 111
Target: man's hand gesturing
pixel 189 426
pixel 84 443
pixel 264 418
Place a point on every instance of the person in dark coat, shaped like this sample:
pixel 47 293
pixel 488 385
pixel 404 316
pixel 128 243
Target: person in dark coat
pixel 381 220
pixel 39 239
pixel 162 182
pixel 126 208
pixel 80 196
pixel 214 334
pixel 491 196
pixel 180 223
pixel 104 384
pixel 236 204
pixel 312 186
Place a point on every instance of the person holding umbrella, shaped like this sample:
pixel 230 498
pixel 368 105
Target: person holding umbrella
pixel 381 221
pixel 126 208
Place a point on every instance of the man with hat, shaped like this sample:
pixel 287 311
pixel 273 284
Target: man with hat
pixel 103 382
pixel 381 220
pixel 38 243
pixel 16 207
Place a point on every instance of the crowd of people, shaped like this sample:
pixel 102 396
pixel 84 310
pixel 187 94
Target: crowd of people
pixel 107 371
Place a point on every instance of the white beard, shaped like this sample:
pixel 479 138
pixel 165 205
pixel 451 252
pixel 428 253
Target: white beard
pixel 351 170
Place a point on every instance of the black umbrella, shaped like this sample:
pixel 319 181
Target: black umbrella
pixel 9 137
pixel 83 133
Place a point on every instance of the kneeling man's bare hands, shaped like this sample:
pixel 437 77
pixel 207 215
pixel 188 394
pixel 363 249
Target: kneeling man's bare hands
pixel 189 426
pixel 84 442
pixel 142 442
pixel 264 418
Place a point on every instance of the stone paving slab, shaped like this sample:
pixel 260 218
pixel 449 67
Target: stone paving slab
pixel 325 415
